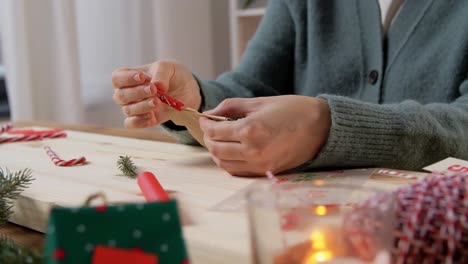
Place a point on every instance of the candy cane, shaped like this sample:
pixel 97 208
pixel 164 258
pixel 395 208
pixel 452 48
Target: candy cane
pixel 32 137
pixel 5 128
pixel 64 163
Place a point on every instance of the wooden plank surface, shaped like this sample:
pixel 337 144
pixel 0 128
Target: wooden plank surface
pixel 33 239
pixel 188 173
pixel 148 134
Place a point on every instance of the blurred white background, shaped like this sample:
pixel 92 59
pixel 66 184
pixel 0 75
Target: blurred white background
pixel 59 54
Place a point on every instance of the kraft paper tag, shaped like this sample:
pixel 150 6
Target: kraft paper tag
pixel 189 120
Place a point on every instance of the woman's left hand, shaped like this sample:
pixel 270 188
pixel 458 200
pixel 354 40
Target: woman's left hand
pixel 275 134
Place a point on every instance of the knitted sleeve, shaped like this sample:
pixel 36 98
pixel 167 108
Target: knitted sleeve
pixel 406 135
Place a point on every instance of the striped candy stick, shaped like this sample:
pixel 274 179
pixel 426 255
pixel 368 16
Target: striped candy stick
pixel 4 128
pixel 64 163
pixel 32 137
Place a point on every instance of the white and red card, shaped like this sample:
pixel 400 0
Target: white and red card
pixel 449 165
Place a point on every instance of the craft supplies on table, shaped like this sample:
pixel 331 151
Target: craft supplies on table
pixel 187 173
pixel 151 188
pixel 214 220
pixel 188 117
pixel 61 162
pixel 425 222
pixel 27 135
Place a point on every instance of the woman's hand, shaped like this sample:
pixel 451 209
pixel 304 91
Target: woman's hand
pixel 135 90
pixel 276 133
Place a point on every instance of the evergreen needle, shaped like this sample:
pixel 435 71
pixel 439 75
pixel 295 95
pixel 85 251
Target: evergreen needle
pixel 126 166
pixel 12 253
pixel 11 185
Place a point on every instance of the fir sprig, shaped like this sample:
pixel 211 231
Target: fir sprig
pixel 126 166
pixel 12 253
pixel 11 185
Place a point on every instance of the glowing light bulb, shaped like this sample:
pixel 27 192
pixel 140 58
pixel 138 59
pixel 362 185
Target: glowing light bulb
pixel 321 210
pixel 322 256
pixel 318 257
pixel 318 251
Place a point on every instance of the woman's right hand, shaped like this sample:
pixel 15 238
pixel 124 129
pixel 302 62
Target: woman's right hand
pixel 136 89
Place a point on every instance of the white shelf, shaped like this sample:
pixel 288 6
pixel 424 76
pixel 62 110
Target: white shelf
pixel 250 12
pixel 243 24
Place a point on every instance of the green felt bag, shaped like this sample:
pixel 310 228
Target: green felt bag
pixel 149 231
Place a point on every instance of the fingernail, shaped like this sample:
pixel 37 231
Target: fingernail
pixel 148 90
pixel 151 103
pixel 137 77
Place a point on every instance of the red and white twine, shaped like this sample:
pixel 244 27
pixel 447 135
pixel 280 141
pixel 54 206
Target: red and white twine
pixel 431 221
pixel 64 163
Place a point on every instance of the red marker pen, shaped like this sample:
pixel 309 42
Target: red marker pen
pixel 151 188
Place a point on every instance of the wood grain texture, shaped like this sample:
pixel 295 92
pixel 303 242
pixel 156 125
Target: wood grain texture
pixel 188 174
pixel 23 236
pixel 33 239
pixel 157 135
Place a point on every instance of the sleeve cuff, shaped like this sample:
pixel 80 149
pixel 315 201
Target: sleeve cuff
pixel 362 135
pixel 182 136
pixel 211 94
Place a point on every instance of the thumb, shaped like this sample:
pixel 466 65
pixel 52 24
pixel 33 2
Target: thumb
pixel 234 107
pixel 162 88
pixel 162 73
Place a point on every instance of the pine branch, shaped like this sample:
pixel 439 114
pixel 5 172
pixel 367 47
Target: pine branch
pixel 11 185
pixel 127 166
pixel 11 253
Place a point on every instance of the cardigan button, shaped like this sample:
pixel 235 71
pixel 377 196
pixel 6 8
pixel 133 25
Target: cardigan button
pixel 373 77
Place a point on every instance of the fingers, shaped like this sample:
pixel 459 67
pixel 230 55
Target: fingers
pixel 140 121
pixel 141 107
pixel 219 130
pixel 224 150
pixel 235 107
pixel 134 94
pixel 146 120
pixel 237 158
pixel 240 168
pixel 157 115
pixel 127 77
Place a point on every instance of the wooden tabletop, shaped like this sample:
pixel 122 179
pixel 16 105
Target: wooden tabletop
pixel 33 239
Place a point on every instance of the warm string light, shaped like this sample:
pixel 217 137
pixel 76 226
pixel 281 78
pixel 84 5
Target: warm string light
pixel 319 251
pixel 320 210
